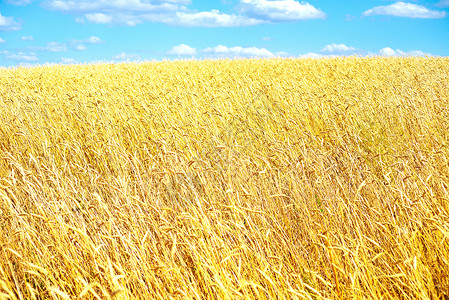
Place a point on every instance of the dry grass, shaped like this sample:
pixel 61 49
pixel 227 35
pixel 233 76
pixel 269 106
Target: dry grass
pixel 241 179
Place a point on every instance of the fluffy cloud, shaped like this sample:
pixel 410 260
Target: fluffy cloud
pixel 100 18
pixel 79 44
pixel 407 10
pixel 51 47
pixel 176 13
pixel 2 41
pixel 8 24
pixel 126 57
pixel 182 50
pixel 80 47
pixel 280 10
pixel 68 61
pixel 21 56
pixel 19 2
pixel 387 51
pixel 212 18
pixel 143 6
pixel 337 48
pixel 283 54
pixel 64 47
pixel 55 47
pixel 27 38
pixel 90 40
pixel 313 55
pixel 129 13
pixel 223 51
pixel 93 40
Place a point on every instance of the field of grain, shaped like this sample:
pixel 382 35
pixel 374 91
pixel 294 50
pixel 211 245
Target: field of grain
pixel 226 179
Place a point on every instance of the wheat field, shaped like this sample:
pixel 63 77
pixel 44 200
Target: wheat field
pixel 226 179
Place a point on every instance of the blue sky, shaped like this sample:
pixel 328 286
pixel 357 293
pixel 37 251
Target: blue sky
pixel 83 31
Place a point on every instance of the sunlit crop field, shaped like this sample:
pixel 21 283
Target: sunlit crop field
pixel 226 179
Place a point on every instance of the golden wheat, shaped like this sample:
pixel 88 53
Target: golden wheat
pixel 226 179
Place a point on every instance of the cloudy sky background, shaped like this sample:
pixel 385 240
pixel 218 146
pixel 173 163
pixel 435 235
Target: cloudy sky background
pixel 83 31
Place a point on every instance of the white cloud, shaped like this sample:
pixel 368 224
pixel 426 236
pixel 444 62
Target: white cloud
pixel 8 24
pixel 280 10
pixel 68 61
pixel 212 18
pixel 55 47
pixel 79 44
pixel 176 13
pixel 27 38
pixel 337 48
pixel 19 2
pixel 129 12
pixel 51 47
pixel 314 55
pixel 266 38
pixel 387 51
pixel 94 40
pixel 340 50
pixel 407 10
pixel 223 51
pixel 126 57
pixel 2 41
pixel 142 6
pixel 99 18
pixel 182 50
pixel 283 54
pixel 418 53
pixel 117 18
pixel 80 47
pixel 22 57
